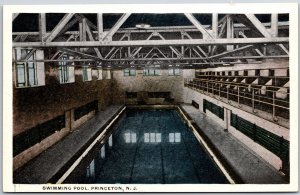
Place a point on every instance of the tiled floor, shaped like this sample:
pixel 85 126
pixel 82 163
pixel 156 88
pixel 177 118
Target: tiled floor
pixel 150 147
pixel 251 168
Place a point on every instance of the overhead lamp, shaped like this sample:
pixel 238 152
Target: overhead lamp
pixel 143 26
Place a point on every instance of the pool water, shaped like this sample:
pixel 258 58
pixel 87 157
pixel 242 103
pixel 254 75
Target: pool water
pixel 149 147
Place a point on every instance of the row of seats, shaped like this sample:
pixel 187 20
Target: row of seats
pixel 265 93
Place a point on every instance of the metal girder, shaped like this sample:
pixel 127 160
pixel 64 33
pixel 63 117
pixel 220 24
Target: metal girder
pixel 112 49
pixel 139 49
pixel 254 57
pixel 214 25
pixel 200 49
pixel 219 41
pixel 260 27
pixel 257 50
pixel 196 58
pixel 59 27
pixel 92 39
pixel 100 25
pixel 172 48
pixel 230 52
pixel 42 26
pixel 237 27
pixel 14 16
pixel 28 55
pixel 198 25
pixel 81 16
pixel 80 53
pixel 69 25
pixel 114 29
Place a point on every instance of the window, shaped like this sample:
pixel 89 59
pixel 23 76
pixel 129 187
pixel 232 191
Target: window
pixel 152 70
pixel 29 74
pixel 66 73
pixel 152 137
pixel 86 73
pixel 100 74
pixel 174 71
pixel 108 74
pixel 129 72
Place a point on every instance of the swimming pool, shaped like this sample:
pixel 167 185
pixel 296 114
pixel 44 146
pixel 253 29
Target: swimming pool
pixel 149 147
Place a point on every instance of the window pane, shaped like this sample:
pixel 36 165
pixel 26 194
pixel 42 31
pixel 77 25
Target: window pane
pixel 146 72
pixel 99 74
pixel 126 72
pixel 151 72
pixel 177 71
pixel 31 75
pixel 157 71
pixel 171 72
pixel 21 74
pixel 132 72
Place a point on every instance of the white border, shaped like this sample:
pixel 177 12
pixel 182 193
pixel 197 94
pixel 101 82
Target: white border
pixel 291 8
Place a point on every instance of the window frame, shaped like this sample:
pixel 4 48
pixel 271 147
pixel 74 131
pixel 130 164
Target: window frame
pixel 27 68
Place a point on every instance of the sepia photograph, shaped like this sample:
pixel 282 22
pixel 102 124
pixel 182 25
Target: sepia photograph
pixel 151 98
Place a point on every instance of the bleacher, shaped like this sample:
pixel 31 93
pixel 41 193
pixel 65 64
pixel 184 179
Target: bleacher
pixel 262 89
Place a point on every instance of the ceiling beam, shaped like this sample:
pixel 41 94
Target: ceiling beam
pixel 59 27
pixel 14 16
pixel 230 52
pixel 91 38
pixel 42 26
pixel 80 53
pixel 100 26
pixel 219 41
pixel 118 24
pixel 260 27
pixel 198 25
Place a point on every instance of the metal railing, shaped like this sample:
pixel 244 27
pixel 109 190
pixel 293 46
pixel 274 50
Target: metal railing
pixel 272 99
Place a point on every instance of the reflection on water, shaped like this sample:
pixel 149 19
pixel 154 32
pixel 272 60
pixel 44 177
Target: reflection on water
pixel 90 170
pixel 130 137
pixel 110 142
pixel 102 152
pixel 149 147
pixel 152 137
pixel 174 137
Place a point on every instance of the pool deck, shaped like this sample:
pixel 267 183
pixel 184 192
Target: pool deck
pixel 249 168
pixel 48 164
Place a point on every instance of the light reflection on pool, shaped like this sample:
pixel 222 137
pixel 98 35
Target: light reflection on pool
pixel 149 146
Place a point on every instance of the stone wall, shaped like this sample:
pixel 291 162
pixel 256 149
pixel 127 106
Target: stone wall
pixel 35 105
pixel 140 83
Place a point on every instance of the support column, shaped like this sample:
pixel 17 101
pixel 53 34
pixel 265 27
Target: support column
pixel 68 120
pixel 100 26
pixel 42 26
pixel 72 119
pixel 274 25
pixel 229 33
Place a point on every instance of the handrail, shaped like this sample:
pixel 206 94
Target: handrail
pixel 247 93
